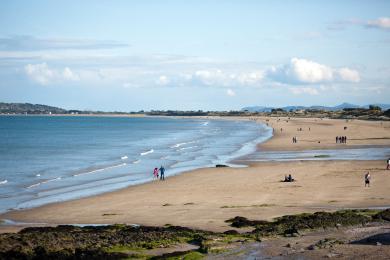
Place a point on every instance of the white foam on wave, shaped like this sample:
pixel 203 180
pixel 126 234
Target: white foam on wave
pixel 147 152
pixel 38 175
pixel 124 157
pixel 206 123
pixel 3 182
pixel 43 182
pixel 136 161
pixel 99 170
pixel 186 148
pixel 177 145
pixel 181 144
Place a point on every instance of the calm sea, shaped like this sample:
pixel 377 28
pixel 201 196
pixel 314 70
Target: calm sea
pixel 50 159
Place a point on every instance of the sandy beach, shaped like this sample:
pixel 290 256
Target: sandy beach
pixel 316 133
pixel 207 197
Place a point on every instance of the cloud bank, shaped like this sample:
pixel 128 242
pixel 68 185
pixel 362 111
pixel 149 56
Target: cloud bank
pixel 298 76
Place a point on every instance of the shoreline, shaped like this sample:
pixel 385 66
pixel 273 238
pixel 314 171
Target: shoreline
pixel 225 158
pixel 150 206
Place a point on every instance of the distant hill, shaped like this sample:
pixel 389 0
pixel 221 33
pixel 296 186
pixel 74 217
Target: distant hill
pixel 23 108
pixel 326 108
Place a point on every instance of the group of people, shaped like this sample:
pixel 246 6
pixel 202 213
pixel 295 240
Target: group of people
pixel 294 140
pixel 341 139
pixel 162 173
pixel 367 177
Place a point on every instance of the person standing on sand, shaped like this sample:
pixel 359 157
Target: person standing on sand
pixel 155 173
pixel 367 179
pixel 162 173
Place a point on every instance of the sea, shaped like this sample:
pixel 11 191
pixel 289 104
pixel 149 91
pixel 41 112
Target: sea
pixel 46 159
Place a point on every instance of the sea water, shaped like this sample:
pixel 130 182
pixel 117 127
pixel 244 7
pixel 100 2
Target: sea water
pixel 46 159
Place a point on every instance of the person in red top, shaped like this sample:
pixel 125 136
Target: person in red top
pixel 155 173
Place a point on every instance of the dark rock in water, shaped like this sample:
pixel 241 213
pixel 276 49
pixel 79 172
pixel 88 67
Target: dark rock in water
pixel 221 165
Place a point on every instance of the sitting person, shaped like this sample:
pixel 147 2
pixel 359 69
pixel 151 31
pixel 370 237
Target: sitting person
pixel 288 178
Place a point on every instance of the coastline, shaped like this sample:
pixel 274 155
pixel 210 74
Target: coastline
pixel 217 194
pixel 137 173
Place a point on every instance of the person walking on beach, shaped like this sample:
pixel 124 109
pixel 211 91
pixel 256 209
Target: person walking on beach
pixel 155 173
pixel 367 179
pixel 162 173
pixel 388 164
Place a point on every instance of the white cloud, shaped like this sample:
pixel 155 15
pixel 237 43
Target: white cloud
pixel 250 78
pixel 162 80
pixel 230 93
pixel 350 75
pixel 310 71
pixel 39 73
pixel 217 77
pixel 302 71
pixel 42 74
pixel 382 23
pixel 304 90
pixel 67 74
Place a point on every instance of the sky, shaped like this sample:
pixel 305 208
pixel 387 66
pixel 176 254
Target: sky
pixel 194 55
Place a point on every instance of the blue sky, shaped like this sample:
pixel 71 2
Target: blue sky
pixel 210 55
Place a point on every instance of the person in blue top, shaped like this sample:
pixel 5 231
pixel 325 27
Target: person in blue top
pixel 162 173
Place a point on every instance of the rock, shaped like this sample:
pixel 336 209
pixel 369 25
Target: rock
pixel 288 245
pixel 312 247
pixel 231 232
pixel 378 243
pixel 239 222
pixel 331 255
pixel 221 165
pixel 383 215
